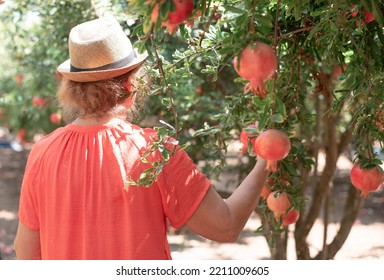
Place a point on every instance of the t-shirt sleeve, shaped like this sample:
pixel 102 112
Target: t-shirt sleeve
pixel 27 206
pixel 182 187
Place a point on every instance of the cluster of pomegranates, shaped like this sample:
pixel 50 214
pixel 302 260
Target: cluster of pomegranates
pixel 257 63
pixel 272 145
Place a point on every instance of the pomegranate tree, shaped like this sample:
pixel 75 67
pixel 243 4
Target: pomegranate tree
pixel 366 180
pixel 257 64
pixel 278 202
pixel 272 145
pixel 183 9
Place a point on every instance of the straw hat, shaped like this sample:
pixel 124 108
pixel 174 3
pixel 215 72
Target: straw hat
pixel 99 50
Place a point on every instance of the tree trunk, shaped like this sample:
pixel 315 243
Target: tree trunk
pixel 322 186
pixel 279 252
pixel 351 212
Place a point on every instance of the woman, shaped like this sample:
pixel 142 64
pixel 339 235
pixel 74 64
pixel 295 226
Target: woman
pixel 76 202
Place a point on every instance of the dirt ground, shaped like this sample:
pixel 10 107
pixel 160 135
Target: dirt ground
pixel 364 242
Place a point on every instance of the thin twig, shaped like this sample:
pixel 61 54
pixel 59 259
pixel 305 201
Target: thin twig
pixel 165 83
pixel 276 39
pixel 207 25
pixel 307 28
pixel 252 29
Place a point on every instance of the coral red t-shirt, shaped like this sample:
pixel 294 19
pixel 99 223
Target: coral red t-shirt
pixel 73 194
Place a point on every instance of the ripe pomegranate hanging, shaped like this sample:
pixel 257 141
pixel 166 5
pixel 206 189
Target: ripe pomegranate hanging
pixel 257 64
pixel 290 218
pixel 366 180
pixel 183 9
pixel 244 138
pixel 272 145
pixel 278 202
pixel 265 192
pixel 368 16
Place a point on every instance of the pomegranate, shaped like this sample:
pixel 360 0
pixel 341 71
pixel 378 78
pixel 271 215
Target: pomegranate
pixel 19 80
pixel 37 101
pixel 369 17
pixel 244 138
pixel 290 218
pixel 20 136
pixel 272 145
pixel 257 64
pixel 265 192
pixel 337 71
pixel 55 118
pixel 366 180
pixel 278 202
pixel 183 9
pixel 355 11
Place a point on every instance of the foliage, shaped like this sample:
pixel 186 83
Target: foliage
pixel 36 35
pixel 327 94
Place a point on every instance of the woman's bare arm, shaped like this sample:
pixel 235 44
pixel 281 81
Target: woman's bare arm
pixel 27 243
pixel 223 220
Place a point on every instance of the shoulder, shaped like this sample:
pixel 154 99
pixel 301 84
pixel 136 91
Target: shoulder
pixel 45 142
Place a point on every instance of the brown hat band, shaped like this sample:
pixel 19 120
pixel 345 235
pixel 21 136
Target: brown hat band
pixel 114 65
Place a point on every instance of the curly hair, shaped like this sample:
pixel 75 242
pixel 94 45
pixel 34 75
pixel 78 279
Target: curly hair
pixel 103 97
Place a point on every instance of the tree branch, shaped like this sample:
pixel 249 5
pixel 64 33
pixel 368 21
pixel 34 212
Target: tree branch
pixel 165 83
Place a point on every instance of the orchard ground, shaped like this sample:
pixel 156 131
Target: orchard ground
pixel 364 242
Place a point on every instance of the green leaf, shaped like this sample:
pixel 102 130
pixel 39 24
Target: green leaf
pixel 166 101
pixel 277 118
pixel 234 10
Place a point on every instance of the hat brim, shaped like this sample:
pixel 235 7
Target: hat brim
pixel 99 75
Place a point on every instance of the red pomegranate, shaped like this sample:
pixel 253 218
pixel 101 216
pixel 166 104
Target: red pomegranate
pixel 257 64
pixel 38 101
pixel 290 218
pixel 278 202
pixel 355 11
pixel 21 136
pixel 366 180
pixel 55 118
pixel 369 17
pixel 183 9
pixel 272 145
pixel 244 137
pixel 265 192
